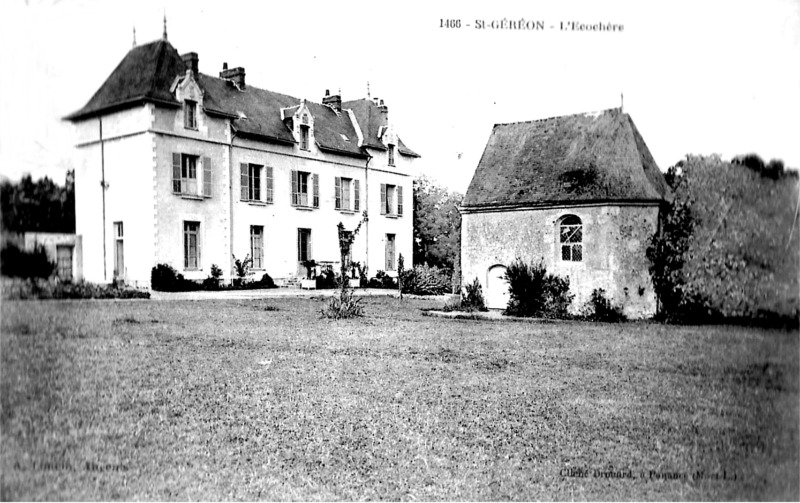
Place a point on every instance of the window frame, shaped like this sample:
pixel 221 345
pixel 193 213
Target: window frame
pixel 189 182
pixel 570 238
pixel 304 231
pixel 391 260
pixel 188 233
pixel 190 114
pixel 391 154
pixel 305 136
pixel 258 258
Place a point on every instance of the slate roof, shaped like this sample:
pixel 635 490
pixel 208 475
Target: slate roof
pixel 148 71
pixel 369 117
pixel 593 157
pixel 144 74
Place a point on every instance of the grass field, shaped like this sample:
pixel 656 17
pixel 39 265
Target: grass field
pixel 265 400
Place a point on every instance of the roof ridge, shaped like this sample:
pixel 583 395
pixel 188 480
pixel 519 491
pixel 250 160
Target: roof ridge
pixel 558 117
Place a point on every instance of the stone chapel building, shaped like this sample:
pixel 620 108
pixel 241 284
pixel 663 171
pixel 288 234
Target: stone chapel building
pixel 581 193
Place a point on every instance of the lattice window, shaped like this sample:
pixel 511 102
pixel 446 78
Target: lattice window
pixel 571 238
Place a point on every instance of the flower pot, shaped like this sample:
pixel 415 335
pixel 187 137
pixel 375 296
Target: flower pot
pixel 308 284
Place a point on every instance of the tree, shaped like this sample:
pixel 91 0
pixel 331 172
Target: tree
pixel 41 206
pixel 437 225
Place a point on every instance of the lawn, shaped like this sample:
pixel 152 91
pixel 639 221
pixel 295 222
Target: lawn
pixel 176 400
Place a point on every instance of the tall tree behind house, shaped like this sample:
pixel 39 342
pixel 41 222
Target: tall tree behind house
pixel 40 206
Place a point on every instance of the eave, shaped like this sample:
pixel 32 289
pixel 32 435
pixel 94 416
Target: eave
pixel 129 103
pixel 502 207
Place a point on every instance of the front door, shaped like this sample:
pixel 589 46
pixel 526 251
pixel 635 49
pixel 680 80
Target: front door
pixel 119 251
pixel 64 261
pixel 497 288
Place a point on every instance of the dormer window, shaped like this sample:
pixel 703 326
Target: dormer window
pixel 190 114
pixel 304 137
pixel 391 155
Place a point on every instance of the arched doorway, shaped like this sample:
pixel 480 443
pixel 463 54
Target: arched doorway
pixel 497 288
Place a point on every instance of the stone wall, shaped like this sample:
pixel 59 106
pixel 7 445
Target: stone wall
pixel 615 238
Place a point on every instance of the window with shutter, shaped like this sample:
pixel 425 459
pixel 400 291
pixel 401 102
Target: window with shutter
pixel 270 184
pixel 176 173
pixel 346 182
pixel 207 176
pixel 356 196
pixel 255 182
pixel 391 155
pixel 295 188
pixel 244 180
pixel 399 200
pixel 383 199
pixel 337 189
pixel 189 174
pixel 316 190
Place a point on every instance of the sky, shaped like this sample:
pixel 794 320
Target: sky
pixel 699 77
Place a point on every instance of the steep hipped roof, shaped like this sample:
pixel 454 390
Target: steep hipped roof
pixel 371 118
pixel 144 74
pixel 148 71
pixel 579 158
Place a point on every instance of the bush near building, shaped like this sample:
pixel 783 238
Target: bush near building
pixel 536 293
pixel 729 243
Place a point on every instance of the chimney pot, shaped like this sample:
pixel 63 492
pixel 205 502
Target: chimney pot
pixel 191 61
pixel 334 101
pixel 233 74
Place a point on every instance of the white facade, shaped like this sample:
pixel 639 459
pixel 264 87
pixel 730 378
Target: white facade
pixel 130 217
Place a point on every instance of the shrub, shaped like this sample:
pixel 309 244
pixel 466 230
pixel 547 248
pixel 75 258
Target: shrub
pixel 18 263
pixel 343 306
pixel 327 280
pixel 426 280
pixel 599 308
pixel 382 280
pixel 472 297
pixel 535 293
pixel 164 278
pixel 216 272
pixel 452 304
pixel 266 281
pixel 44 289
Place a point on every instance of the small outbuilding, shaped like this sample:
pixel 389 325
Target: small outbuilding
pixel 581 193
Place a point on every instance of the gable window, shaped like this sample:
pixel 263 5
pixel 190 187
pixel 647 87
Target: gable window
pixel 348 193
pixel 191 245
pixel 391 200
pixel 305 189
pixel 185 179
pixel 391 155
pixel 190 114
pixel 390 243
pixel 257 246
pixel 304 137
pixel 571 238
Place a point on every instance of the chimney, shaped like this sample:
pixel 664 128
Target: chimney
pixel 384 110
pixel 234 74
pixel 334 101
pixel 190 60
